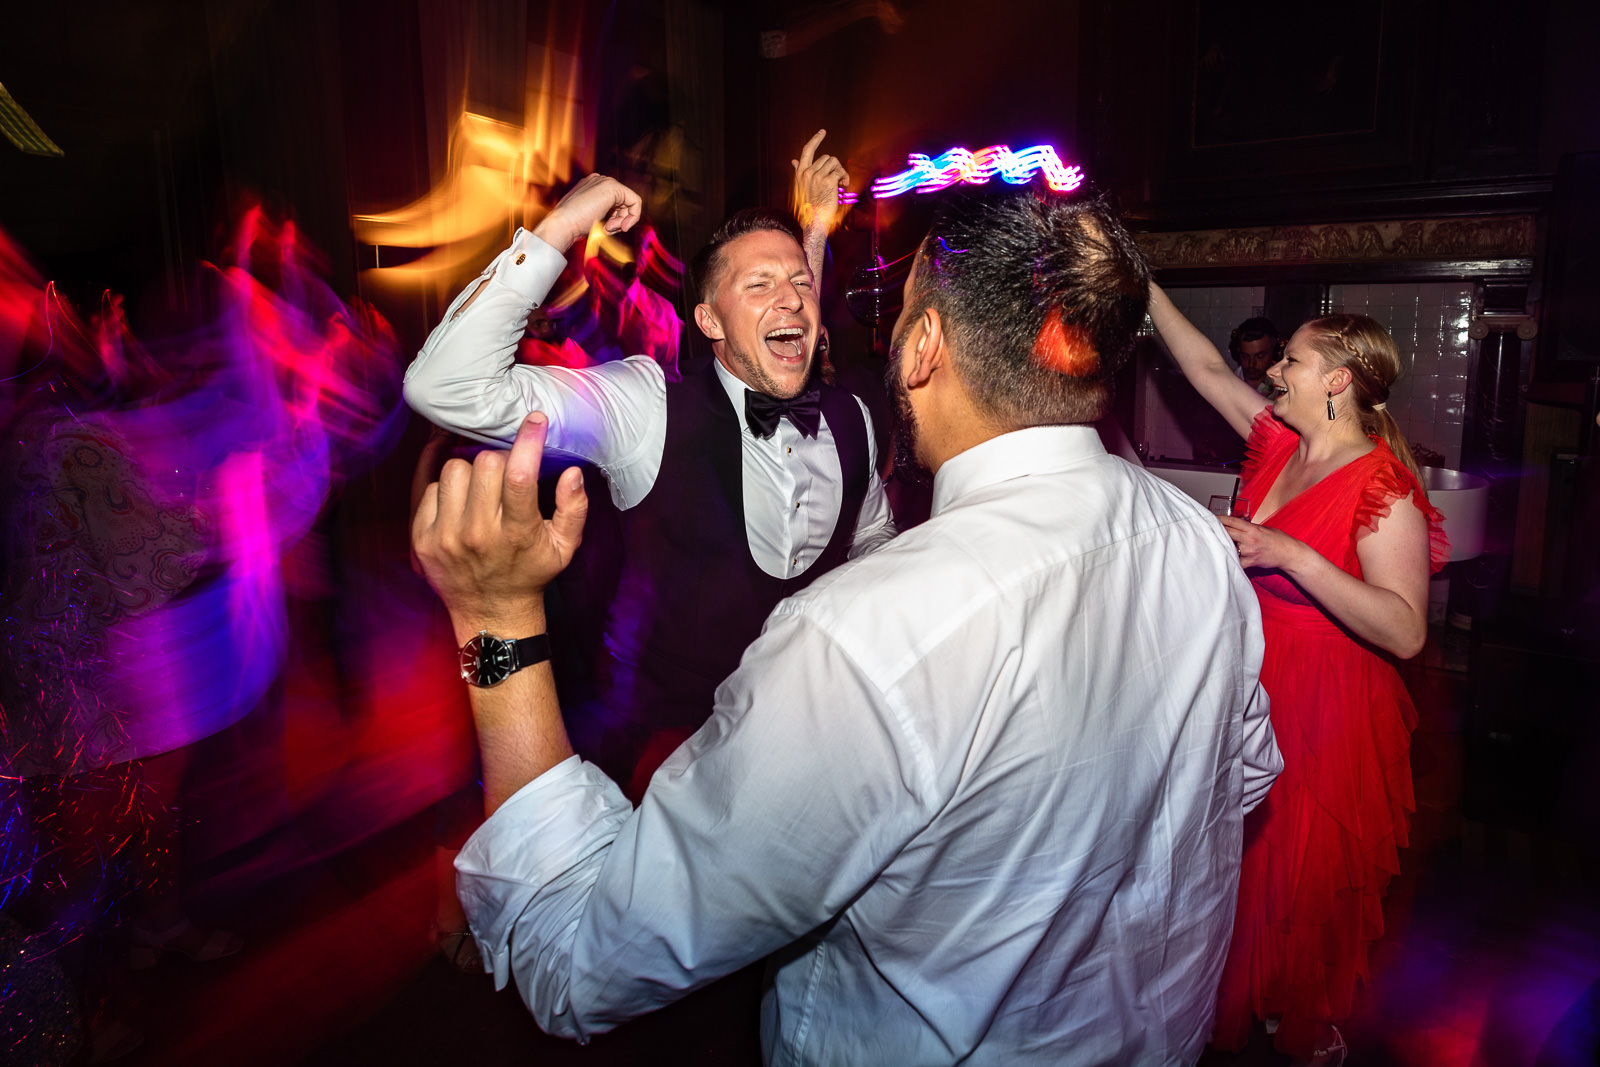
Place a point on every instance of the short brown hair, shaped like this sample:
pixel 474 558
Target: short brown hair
pixel 704 272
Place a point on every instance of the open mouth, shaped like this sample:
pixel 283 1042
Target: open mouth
pixel 787 344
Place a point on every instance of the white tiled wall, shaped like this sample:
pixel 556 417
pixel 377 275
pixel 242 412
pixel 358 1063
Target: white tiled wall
pixel 1215 312
pixel 1429 322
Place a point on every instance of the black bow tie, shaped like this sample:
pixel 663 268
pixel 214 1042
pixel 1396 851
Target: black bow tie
pixel 762 412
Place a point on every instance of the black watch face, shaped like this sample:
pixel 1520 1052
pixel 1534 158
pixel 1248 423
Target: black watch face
pixel 486 661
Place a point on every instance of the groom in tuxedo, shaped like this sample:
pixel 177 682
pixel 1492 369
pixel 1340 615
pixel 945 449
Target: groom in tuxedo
pixel 739 485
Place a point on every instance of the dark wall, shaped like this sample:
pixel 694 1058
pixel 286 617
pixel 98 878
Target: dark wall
pixel 124 90
pixel 1193 113
pixel 280 117
pixel 1449 106
pixel 938 73
pixel 171 111
pixel 172 116
pixel 1569 82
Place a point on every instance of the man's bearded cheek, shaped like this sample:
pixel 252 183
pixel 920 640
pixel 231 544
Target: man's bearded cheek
pixel 907 466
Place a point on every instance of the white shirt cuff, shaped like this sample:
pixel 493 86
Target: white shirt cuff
pixel 546 841
pixel 531 267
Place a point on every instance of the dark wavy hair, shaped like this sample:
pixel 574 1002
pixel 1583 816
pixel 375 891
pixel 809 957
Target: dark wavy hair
pixel 707 266
pixel 1042 296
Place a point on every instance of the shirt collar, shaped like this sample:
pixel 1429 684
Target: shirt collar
pixel 1036 450
pixel 735 390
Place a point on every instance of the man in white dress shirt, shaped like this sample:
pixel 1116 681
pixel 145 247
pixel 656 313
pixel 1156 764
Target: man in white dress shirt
pixel 978 794
pixel 739 485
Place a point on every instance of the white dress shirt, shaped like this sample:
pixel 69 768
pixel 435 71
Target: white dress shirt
pixel 614 415
pixel 980 791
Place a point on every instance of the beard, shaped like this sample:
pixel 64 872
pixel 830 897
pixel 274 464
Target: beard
pixel 907 466
pixel 754 375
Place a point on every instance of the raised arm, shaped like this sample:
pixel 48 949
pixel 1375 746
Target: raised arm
pixel 699 884
pixel 771 820
pixel 1388 606
pixel 817 181
pixel 489 554
pixel 467 379
pixel 595 199
pixel 1234 398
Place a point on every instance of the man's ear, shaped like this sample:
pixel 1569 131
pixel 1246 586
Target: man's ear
pixel 926 353
pixel 706 319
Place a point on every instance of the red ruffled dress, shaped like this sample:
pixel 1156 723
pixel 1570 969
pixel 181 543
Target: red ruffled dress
pixel 1320 850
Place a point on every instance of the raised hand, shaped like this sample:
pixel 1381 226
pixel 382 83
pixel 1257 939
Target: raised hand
pixel 482 541
pixel 817 181
pixel 596 198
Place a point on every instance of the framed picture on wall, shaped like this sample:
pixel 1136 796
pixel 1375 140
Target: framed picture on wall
pixel 1279 73
pixel 1273 90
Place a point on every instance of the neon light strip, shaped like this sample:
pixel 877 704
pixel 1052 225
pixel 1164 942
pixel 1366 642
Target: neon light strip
pixel 975 168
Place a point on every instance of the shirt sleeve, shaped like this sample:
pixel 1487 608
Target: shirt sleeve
pixel 874 525
pixel 776 815
pixel 467 379
pixel 1262 761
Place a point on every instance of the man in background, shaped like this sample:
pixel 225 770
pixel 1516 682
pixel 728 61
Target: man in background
pixel 1255 346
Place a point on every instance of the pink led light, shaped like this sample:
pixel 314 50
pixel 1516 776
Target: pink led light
pixel 927 175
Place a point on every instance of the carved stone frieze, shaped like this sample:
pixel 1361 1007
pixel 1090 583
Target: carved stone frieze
pixel 1497 237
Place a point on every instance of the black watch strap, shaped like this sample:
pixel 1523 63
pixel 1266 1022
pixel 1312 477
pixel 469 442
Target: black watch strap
pixel 530 650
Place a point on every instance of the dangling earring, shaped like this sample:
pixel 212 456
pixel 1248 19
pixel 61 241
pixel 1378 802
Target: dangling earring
pixel 1331 415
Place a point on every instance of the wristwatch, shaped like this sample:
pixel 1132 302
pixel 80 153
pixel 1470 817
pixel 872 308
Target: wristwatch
pixel 487 660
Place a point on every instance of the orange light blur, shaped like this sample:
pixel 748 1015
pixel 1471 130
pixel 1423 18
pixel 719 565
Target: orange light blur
pixel 498 177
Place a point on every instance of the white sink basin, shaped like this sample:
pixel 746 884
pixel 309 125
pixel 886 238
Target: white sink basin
pixel 1464 500
pixel 1200 483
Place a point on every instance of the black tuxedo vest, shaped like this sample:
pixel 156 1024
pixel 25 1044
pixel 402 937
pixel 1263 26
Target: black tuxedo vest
pixel 691 598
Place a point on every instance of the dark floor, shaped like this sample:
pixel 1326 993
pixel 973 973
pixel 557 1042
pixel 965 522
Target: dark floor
pixel 1491 956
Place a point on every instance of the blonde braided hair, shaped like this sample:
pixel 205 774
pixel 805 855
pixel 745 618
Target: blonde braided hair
pixel 1362 346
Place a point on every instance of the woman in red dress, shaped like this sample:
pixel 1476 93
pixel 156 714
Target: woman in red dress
pixel 1340 540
